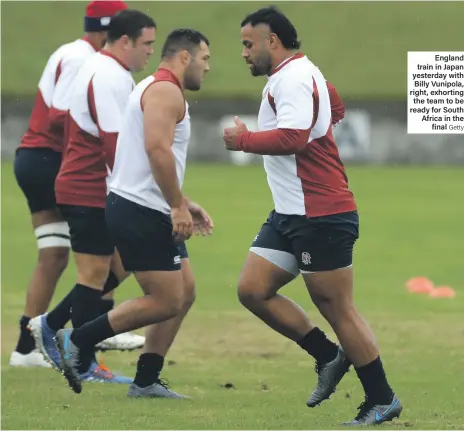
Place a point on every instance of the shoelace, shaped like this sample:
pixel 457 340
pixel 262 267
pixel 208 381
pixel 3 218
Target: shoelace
pixel 164 383
pixel 364 409
pixel 102 367
pixel 318 367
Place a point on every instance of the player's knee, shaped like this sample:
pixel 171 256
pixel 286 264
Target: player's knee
pixel 94 274
pixel 322 299
pixel 342 316
pixel 344 310
pixel 189 294
pixel 174 304
pixel 335 309
pixel 170 299
pixel 251 293
pixel 54 259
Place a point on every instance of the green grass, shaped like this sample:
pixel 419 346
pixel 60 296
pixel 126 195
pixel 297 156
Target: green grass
pixel 411 224
pixel 360 46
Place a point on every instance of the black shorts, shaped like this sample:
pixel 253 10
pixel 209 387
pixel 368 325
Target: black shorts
pixel 317 243
pixel 143 236
pixel 36 170
pixel 88 230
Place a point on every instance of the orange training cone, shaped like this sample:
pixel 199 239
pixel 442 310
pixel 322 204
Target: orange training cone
pixel 442 292
pixel 420 285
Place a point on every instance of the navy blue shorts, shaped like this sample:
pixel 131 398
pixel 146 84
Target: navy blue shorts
pixel 88 230
pixel 318 243
pixel 36 170
pixel 143 236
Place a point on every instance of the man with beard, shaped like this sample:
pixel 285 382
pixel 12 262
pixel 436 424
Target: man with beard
pixel 148 216
pixel 314 225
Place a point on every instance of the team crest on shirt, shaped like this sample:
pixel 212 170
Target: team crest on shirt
pixel 306 258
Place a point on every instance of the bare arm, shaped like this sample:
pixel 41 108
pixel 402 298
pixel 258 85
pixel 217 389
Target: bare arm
pixel 163 106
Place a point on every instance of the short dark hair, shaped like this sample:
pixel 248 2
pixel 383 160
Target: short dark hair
pixel 277 22
pixel 180 39
pixel 128 22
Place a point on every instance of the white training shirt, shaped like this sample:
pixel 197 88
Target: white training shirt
pixel 46 126
pixel 101 90
pixel 132 177
pixel 309 180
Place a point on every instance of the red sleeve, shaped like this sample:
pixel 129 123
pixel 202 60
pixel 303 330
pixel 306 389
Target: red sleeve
pixel 336 103
pixel 286 141
pixel 273 142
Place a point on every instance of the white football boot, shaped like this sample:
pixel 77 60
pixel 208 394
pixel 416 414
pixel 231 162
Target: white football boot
pixel 28 360
pixel 125 341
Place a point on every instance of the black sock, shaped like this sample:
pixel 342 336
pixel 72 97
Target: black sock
pixel 85 308
pixel 61 314
pixel 86 305
pixel 90 334
pixel 319 346
pixel 106 305
pixel 149 367
pixel 374 381
pixel 111 283
pixel 26 342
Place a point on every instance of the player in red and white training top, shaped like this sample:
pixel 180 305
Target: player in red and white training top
pixel 37 162
pixel 101 91
pixel 314 225
pixel 149 217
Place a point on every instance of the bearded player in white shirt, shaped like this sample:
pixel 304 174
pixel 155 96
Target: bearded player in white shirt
pixel 149 218
pixel 315 223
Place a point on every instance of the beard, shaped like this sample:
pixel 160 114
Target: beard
pixel 191 81
pixel 261 66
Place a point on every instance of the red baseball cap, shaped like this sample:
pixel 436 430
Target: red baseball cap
pixel 98 14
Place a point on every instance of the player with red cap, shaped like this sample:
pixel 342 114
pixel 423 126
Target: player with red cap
pixel 98 15
pixel 36 165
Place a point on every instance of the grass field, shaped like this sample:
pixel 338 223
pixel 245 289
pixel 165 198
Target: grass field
pixel 360 46
pixel 411 224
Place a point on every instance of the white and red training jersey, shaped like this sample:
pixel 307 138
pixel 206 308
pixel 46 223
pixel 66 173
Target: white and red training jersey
pixel 101 91
pixel 132 177
pixel 304 170
pixel 46 125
